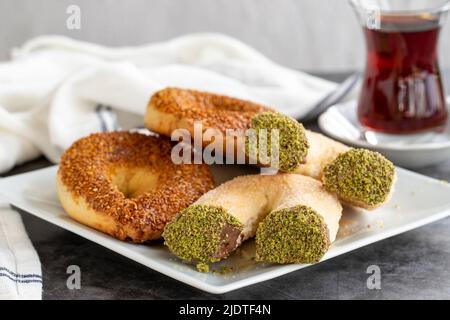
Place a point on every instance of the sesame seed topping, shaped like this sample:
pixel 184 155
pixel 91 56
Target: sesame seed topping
pixel 89 166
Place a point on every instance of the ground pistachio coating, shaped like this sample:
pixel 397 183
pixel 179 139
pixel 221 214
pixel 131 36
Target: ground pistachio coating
pixel 195 234
pixel 202 267
pixel 292 235
pixel 293 144
pixel 360 176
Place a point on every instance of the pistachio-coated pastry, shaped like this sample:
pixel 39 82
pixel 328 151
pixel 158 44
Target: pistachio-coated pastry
pixel 359 177
pixel 296 217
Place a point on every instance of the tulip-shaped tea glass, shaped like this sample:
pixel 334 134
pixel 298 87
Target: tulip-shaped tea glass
pixel 402 88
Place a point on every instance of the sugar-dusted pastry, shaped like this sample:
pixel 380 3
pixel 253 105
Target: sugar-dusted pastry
pixel 296 217
pixel 359 177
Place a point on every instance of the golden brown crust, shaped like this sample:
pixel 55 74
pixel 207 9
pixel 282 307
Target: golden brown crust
pixel 215 111
pixel 88 167
pixel 211 118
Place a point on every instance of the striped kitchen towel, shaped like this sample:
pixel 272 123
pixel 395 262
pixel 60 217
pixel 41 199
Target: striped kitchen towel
pixel 20 268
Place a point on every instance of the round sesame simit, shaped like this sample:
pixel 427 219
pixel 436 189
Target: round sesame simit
pixel 126 185
pixel 171 109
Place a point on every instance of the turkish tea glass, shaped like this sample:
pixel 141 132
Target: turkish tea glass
pixel 402 88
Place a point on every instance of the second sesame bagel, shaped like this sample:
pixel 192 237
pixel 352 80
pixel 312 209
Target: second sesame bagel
pixel 172 109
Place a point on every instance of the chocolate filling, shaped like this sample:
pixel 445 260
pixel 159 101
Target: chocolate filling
pixel 230 239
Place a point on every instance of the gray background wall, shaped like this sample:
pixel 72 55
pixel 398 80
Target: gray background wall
pixel 313 35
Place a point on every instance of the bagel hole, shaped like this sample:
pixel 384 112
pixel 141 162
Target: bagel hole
pixel 133 182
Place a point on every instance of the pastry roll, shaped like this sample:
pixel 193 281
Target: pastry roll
pixel 359 177
pixel 296 217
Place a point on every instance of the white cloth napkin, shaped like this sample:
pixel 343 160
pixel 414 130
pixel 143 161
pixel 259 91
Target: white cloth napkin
pixel 20 269
pixel 56 90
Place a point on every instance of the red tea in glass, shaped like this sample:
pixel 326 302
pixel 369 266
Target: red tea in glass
pixel 402 88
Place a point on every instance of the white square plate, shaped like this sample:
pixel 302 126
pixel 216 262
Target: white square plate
pixel 417 200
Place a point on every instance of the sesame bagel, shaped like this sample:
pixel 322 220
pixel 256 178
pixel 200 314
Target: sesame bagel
pixel 294 218
pixel 172 109
pixel 125 184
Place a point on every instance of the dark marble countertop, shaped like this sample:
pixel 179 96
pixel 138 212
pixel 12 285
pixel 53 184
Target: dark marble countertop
pixel 414 265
